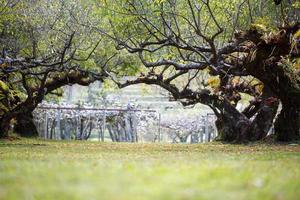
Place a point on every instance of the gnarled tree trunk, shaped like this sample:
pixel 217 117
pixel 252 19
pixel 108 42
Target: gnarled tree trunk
pixel 230 127
pixel 23 111
pixel 267 63
pixel 25 126
pixel 4 125
pixel 263 121
pixel 287 125
pixel 235 126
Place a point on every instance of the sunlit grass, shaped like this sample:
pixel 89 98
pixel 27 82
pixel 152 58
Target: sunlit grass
pixel 36 169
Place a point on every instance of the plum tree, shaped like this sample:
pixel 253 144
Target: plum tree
pixel 248 49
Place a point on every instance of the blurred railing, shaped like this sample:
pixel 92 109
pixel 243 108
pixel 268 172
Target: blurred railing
pixel 61 122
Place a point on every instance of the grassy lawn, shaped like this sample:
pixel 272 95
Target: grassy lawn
pixel 36 169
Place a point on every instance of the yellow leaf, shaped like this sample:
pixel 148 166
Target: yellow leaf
pixel 235 80
pixel 214 82
pixel 3 87
pixel 297 65
pixel 297 34
pixel 259 27
pixel 260 88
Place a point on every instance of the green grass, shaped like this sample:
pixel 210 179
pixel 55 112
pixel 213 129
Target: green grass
pixel 36 169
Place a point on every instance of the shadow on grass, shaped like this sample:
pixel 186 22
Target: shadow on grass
pixel 20 145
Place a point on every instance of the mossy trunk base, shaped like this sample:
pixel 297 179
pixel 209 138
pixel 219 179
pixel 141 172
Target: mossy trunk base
pixel 25 126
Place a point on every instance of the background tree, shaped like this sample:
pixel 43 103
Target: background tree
pixel 44 47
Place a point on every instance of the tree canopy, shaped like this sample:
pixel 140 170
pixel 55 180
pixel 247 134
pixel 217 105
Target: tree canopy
pixel 217 53
pixel 45 45
pixel 247 47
